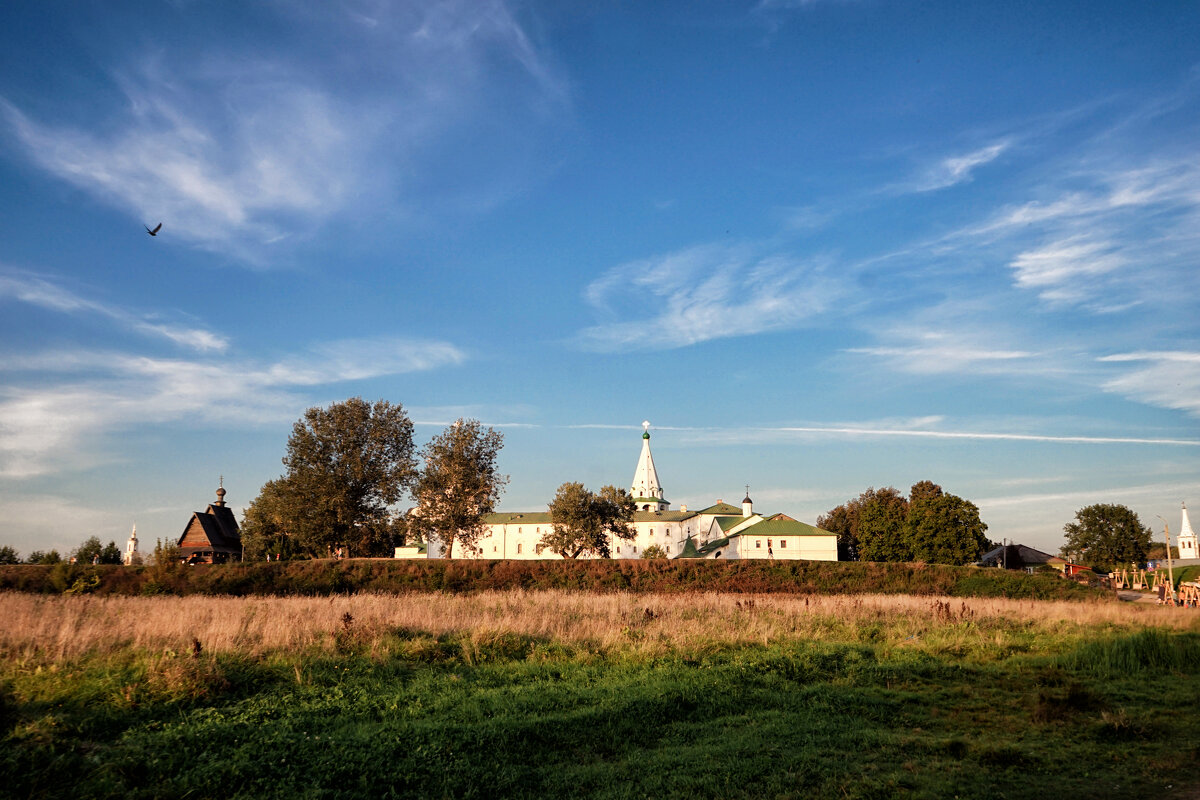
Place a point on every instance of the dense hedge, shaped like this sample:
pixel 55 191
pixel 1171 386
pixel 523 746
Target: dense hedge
pixel 324 577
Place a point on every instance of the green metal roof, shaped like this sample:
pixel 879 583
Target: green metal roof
pixel 728 523
pixel 709 547
pixel 722 509
pixel 518 518
pixel 689 550
pixel 783 527
pixel 663 516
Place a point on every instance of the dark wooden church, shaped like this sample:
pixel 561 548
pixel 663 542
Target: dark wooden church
pixel 212 535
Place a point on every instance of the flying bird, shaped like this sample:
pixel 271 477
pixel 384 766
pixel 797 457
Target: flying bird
pixel 155 231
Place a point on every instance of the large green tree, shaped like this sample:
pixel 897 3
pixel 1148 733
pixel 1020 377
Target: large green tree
pixel 346 466
pixel 944 529
pixel 881 514
pixel 583 521
pixel 459 484
pixel 929 525
pixel 9 555
pixel 1106 537
pixel 266 524
pixel 843 521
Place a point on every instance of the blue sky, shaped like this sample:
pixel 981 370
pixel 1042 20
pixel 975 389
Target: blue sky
pixel 821 245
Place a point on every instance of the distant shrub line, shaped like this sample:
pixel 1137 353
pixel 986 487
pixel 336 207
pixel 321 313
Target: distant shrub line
pixel 325 577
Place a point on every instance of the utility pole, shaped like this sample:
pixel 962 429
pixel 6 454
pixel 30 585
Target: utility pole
pixel 1170 574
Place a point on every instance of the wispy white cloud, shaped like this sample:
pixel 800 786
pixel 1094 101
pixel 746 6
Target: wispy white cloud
pixel 957 337
pixel 52 425
pixel 912 428
pixel 1065 271
pixel 51 296
pixel 806 218
pixel 285 162
pixel 984 436
pixel 943 353
pixel 705 293
pixel 237 151
pixel 1105 236
pixel 786 5
pixel 1124 494
pixel 1168 379
pixel 953 170
pixel 1177 356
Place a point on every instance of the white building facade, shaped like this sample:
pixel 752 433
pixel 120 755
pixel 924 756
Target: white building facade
pixel 721 530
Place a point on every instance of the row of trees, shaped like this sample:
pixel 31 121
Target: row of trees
pixel 929 525
pixel 348 465
pixel 90 551
pixel 933 526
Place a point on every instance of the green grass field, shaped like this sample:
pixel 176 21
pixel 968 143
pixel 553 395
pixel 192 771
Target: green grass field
pixel 935 700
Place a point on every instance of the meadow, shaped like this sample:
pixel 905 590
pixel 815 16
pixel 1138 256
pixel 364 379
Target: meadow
pixel 581 694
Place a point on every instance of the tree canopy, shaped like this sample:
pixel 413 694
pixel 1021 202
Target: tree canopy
pixel 653 552
pixel 267 522
pixel 9 555
pixel 91 549
pixel 346 466
pixel 1107 536
pixel 583 521
pixel 944 529
pixel 929 525
pixel 459 484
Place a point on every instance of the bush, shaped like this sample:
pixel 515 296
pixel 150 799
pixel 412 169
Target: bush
pixel 324 577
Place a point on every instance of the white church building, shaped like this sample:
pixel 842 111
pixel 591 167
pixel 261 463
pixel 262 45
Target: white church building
pixel 721 530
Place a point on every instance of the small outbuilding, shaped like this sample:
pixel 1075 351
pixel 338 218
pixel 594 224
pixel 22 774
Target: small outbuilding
pixel 212 536
pixel 1018 556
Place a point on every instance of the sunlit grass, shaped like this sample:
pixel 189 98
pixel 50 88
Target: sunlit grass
pixel 555 694
pixel 51 628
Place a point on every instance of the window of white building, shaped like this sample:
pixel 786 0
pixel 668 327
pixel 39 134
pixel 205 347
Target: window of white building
pixel 782 543
pixel 758 543
pixel 518 547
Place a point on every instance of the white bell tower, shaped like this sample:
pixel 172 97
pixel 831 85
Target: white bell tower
pixel 131 547
pixel 1187 538
pixel 646 490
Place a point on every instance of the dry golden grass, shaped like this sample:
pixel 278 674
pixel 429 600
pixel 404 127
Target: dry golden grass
pixel 50 629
